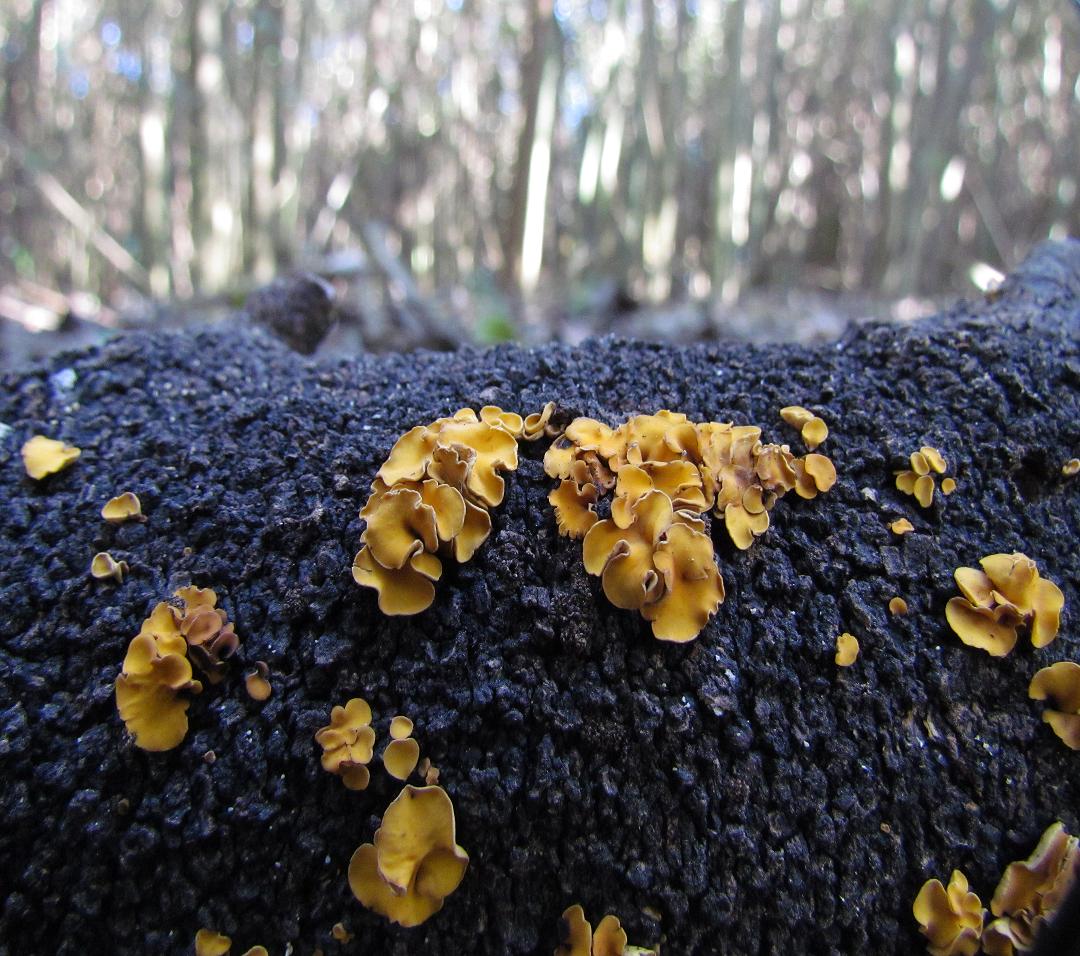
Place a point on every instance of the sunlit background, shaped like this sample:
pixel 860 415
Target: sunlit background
pixel 581 155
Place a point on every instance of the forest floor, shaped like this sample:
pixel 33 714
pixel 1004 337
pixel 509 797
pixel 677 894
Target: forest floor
pixel 737 794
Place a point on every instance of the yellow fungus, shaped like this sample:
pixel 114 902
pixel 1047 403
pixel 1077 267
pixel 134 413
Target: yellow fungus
pixel 847 649
pixel 205 627
pixel 46 456
pixel 948 486
pixel 901 526
pixel 348 743
pixel 573 504
pixel 1059 684
pixel 401 727
pixel 1006 594
pixel 919 479
pixel 104 566
pixel 509 422
pixel 256 682
pixel 609 939
pixel 341 933
pixel 924 490
pixel 537 424
pixel 1031 891
pixel 933 459
pixel 951 919
pixel 578 935
pixel 693 587
pixel 123 507
pixel 414 862
pixel 1071 468
pixel 814 432
pixel 796 416
pixel 898 606
pixel 406 590
pixel 400 757
pixel 209 943
pixel 154 671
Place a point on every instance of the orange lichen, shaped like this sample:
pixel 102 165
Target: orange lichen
pixel 1005 595
pixel 45 456
pixel 256 682
pixel 1030 892
pixel 348 743
pixel 154 672
pixel 847 649
pixel 1060 685
pixel 104 567
pixel 901 526
pixel 123 507
pixel 432 494
pixel 414 862
pixel 918 480
pixel 951 919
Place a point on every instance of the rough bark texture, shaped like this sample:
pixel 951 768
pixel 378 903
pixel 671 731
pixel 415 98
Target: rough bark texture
pixel 738 794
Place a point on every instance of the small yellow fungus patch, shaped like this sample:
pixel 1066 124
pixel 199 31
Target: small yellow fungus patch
pixel 46 456
pixel 537 424
pixel 918 480
pixel 669 472
pixel 898 606
pixel 433 494
pixel 951 919
pixel 609 939
pixel 400 757
pixel 104 566
pixel 948 486
pixel 573 504
pixel 154 672
pixel 901 526
pixel 348 743
pixel 256 682
pixel 1031 891
pixel 814 431
pixel 341 933
pixel 401 727
pixel 122 508
pixel 847 649
pixel 1071 468
pixel 209 943
pixel 1005 595
pixel 414 862
pixel 1060 685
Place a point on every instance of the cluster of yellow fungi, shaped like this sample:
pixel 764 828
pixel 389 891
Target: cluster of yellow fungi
pixel 1028 894
pixel 348 745
pixel 157 667
pixel 432 496
pixel 608 939
pixel 46 456
pixel 1059 684
pixel 1006 594
pixel 918 480
pixel 654 554
pixel 209 943
pixel 414 862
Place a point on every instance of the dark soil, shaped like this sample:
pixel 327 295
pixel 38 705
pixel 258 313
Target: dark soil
pixel 739 794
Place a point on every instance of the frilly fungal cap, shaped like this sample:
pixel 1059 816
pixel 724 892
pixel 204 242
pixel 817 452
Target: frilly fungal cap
pixel 573 504
pixel 154 671
pixel 123 507
pixel 1005 594
pixel 1059 684
pixel 406 590
pixel 609 939
pixel 348 743
pixel 951 919
pixel 46 456
pixel 105 567
pixel 577 933
pixel 414 862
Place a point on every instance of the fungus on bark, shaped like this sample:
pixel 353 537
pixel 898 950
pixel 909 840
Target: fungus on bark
pixel 918 480
pixel 901 526
pixel 950 918
pixel 1008 593
pixel 256 682
pixel 348 743
pixel 105 567
pixel 847 649
pixel 124 507
pixel 609 938
pixel 414 862
pixel 46 456
pixel 1059 685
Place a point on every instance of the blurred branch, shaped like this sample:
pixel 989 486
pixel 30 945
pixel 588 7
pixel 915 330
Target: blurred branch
pixel 79 217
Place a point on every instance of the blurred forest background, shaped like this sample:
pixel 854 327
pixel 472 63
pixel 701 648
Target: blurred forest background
pixel 530 168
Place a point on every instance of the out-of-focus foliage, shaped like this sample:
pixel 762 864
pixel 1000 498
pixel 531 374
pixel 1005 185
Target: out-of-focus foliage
pixel 678 147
